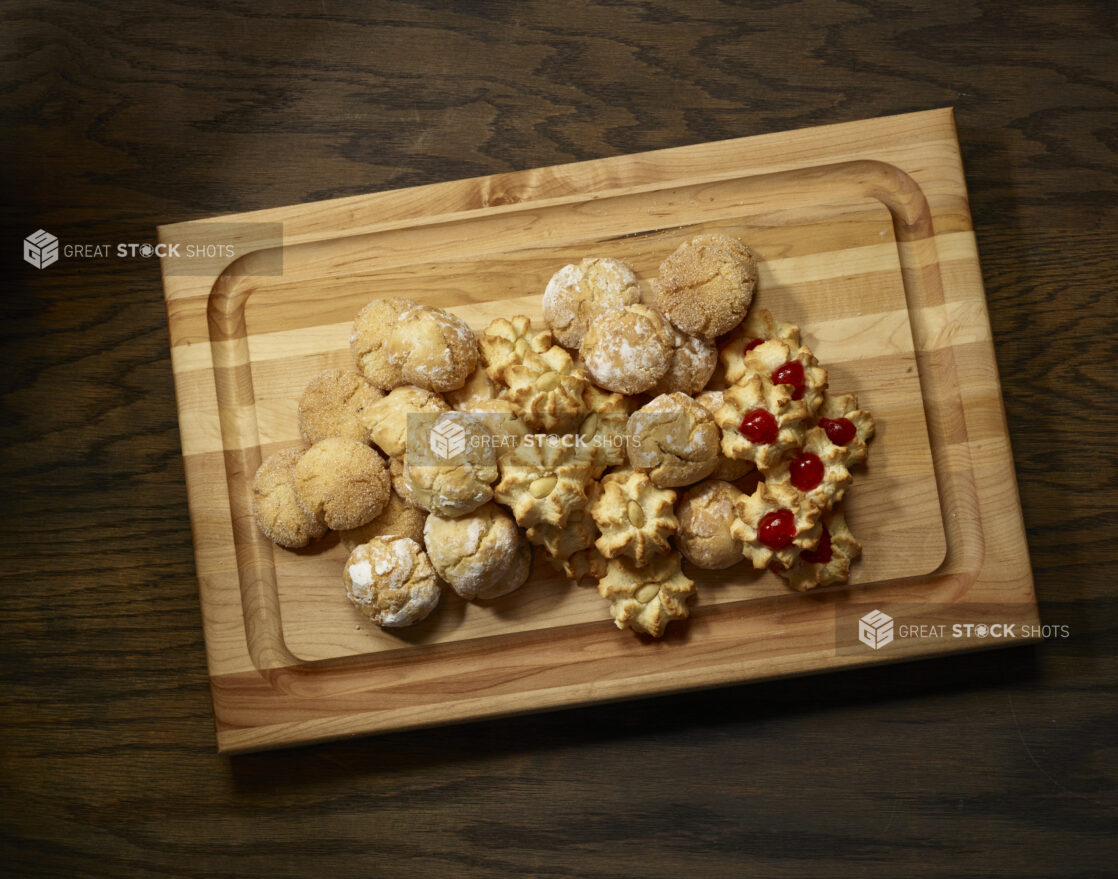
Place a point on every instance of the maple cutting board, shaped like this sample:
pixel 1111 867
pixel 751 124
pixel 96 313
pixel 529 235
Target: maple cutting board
pixel 864 239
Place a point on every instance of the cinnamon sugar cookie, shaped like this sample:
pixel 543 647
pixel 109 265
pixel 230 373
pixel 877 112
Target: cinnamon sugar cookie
pixel 277 511
pixel 705 286
pixel 576 294
pixel 628 350
pixel 342 483
pixel 398 519
pixel 332 405
pixel 391 581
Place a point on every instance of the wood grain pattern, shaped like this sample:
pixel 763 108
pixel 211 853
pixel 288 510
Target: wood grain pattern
pixel 289 658
pixel 121 116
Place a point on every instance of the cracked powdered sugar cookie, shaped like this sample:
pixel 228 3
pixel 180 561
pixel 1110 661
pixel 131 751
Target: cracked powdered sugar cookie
pixel 391 581
pixel 576 294
pixel 387 418
pixel 342 483
pixel 645 599
pixel 432 349
pixel 674 440
pixel 369 341
pixel 628 350
pixel 480 555
pixel 692 364
pixel 705 286
pixel 277 512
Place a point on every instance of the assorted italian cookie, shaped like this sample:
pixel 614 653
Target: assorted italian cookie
pixel 639 426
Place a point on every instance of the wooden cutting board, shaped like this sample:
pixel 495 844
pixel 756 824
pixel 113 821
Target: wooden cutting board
pixel 864 239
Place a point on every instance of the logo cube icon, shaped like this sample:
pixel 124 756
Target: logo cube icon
pixel 447 439
pixel 875 629
pixel 40 249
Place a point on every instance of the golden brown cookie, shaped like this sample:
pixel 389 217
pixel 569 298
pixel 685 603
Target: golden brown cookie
pixel 341 482
pixel 761 422
pixel 505 343
pixel 705 286
pixel 274 505
pixel 646 599
pixel 759 326
pixel 546 389
pixel 815 470
pixel 387 418
pixel 398 519
pixel 480 555
pixel 332 405
pixel 391 581
pixel 576 294
pixel 829 562
pixel 603 427
pixel 628 350
pixel 635 517
pixel 727 469
pixel 705 514
pixel 674 440
pixel 461 484
pixel 369 341
pixel 773 525
pixel 543 480
pixel 479 387
pixel 400 487
pixel 847 426
pixel 570 547
pixel 432 349
pixel 792 368
pixel 691 366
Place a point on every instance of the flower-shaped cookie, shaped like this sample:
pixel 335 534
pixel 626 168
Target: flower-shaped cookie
pixel 759 326
pixel 506 343
pixel 793 368
pixel 543 480
pixel 570 548
pixel 816 470
pixel 546 390
pixel 847 427
pixel 673 439
pixel 760 421
pixel 603 427
pixel 829 563
pixel 727 469
pixel 635 517
pixel 772 524
pixel 646 599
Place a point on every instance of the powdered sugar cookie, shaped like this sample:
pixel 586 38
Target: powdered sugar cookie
pixel 391 581
pixel 576 294
pixel 369 341
pixel 628 350
pixel 432 348
pixel 480 555
pixel 705 514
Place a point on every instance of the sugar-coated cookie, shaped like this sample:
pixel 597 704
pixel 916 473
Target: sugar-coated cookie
pixel 332 405
pixel 692 364
pixel 342 482
pixel 391 581
pixel 705 286
pixel 369 341
pixel 277 511
pixel 673 439
pixel 480 555
pixel 398 519
pixel 432 348
pixel 628 350
pixel 576 294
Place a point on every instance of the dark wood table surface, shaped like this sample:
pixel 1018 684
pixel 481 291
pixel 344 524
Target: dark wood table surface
pixel 118 117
